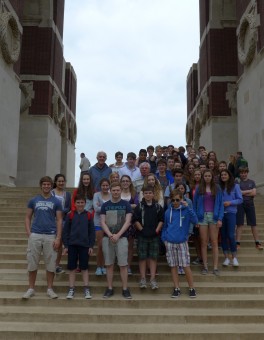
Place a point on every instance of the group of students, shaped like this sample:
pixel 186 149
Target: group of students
pixel 159 200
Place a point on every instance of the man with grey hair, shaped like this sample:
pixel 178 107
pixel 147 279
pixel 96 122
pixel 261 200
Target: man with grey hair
pixel 99 170
pixel 144 171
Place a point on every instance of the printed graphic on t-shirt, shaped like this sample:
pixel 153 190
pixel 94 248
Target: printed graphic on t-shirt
pixel 115 220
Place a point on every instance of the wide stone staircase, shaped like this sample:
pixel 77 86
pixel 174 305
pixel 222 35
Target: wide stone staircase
pixel 230 306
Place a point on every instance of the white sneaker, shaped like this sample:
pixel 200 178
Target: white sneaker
pixel 51 293
pixel 87 293
pixel 226 262
pixel 235 262
pixel 29 293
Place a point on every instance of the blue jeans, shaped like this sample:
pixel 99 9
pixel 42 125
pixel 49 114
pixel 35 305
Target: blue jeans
pixel 228 230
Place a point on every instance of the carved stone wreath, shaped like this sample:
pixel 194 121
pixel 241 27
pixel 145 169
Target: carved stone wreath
pixel 10 47
pixel 189 131
pixel 247 39
pixel 57 108
pixel 202 108
pixel 28 93
pixel 73 131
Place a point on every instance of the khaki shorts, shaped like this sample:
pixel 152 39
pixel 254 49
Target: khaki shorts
pixel 41 243
pixel 112 250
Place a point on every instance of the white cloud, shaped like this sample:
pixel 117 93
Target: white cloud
pixel 131 58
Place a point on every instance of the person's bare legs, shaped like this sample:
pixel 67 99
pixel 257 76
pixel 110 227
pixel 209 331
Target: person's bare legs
pixel 99 253
pixel 50 278
pixel 203 229
pixel 109 275
pixel 124 275
pixel 142 268
pixel 130 251
pixel 32 278
pixel 72 278
pixel 213 232
pixel 239 230
pixel 85 275
pixel 152 268
pixel 175 276
pixel 189 276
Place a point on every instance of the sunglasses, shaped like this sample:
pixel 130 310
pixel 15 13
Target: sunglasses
pixel 175 200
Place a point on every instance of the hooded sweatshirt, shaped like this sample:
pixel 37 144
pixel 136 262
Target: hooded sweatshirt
pixel 177 223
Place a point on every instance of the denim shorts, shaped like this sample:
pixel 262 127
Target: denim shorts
pixel 208 219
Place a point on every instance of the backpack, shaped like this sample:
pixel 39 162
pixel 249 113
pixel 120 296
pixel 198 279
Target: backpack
pixel 90 215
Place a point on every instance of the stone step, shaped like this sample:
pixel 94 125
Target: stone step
pixel 128 315
pixel 139 301
pixel 212 287
pixel 147 331
pixel 232 276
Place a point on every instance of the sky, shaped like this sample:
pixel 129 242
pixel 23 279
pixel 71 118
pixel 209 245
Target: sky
pixel 131 58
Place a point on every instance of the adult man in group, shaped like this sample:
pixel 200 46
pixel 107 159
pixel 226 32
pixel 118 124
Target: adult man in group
pixel 85 163
pixel 130 167
pixel 144 171
pixel 99 170
pixel 44 235
pixel 115 219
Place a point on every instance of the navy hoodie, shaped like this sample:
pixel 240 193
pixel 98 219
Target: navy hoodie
pixel 79 231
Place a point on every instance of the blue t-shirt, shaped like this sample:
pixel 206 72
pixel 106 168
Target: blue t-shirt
pixel 115 214
pixel 44 221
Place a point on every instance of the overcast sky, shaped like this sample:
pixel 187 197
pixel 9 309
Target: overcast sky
pixel 131 58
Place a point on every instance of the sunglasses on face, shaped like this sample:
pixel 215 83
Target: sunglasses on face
pixel 175 200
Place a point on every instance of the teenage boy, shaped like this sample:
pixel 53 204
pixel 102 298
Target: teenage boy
pixel 130 167
pixel 142 157
pixel 178 179
pixel 152 159
pixel 148 217
pixel 115 220
pixel 175 233
pixel 78 239
pixel 249 191
pixel 163 175
pixel 44 235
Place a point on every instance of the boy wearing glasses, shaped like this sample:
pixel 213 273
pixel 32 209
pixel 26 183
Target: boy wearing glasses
pixel 175 236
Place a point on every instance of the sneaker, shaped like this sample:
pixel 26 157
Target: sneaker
pixel 126 294
pixel 216 272
pixel 98 271
pixel 52 294
pixel 226 262
pixel 103 270
pixel 143 283
pixel 259 246
pixel 204 271
pixel 59 270
pixel 197 261
pixel 153 284
pixel 87 294
pixel 129 271
pixel 176 293
pixel 235 262
pixel 29 293
pixel 181 271
pixel 108 293
pixel 70 294
pixel 192 293
pixel 238 245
